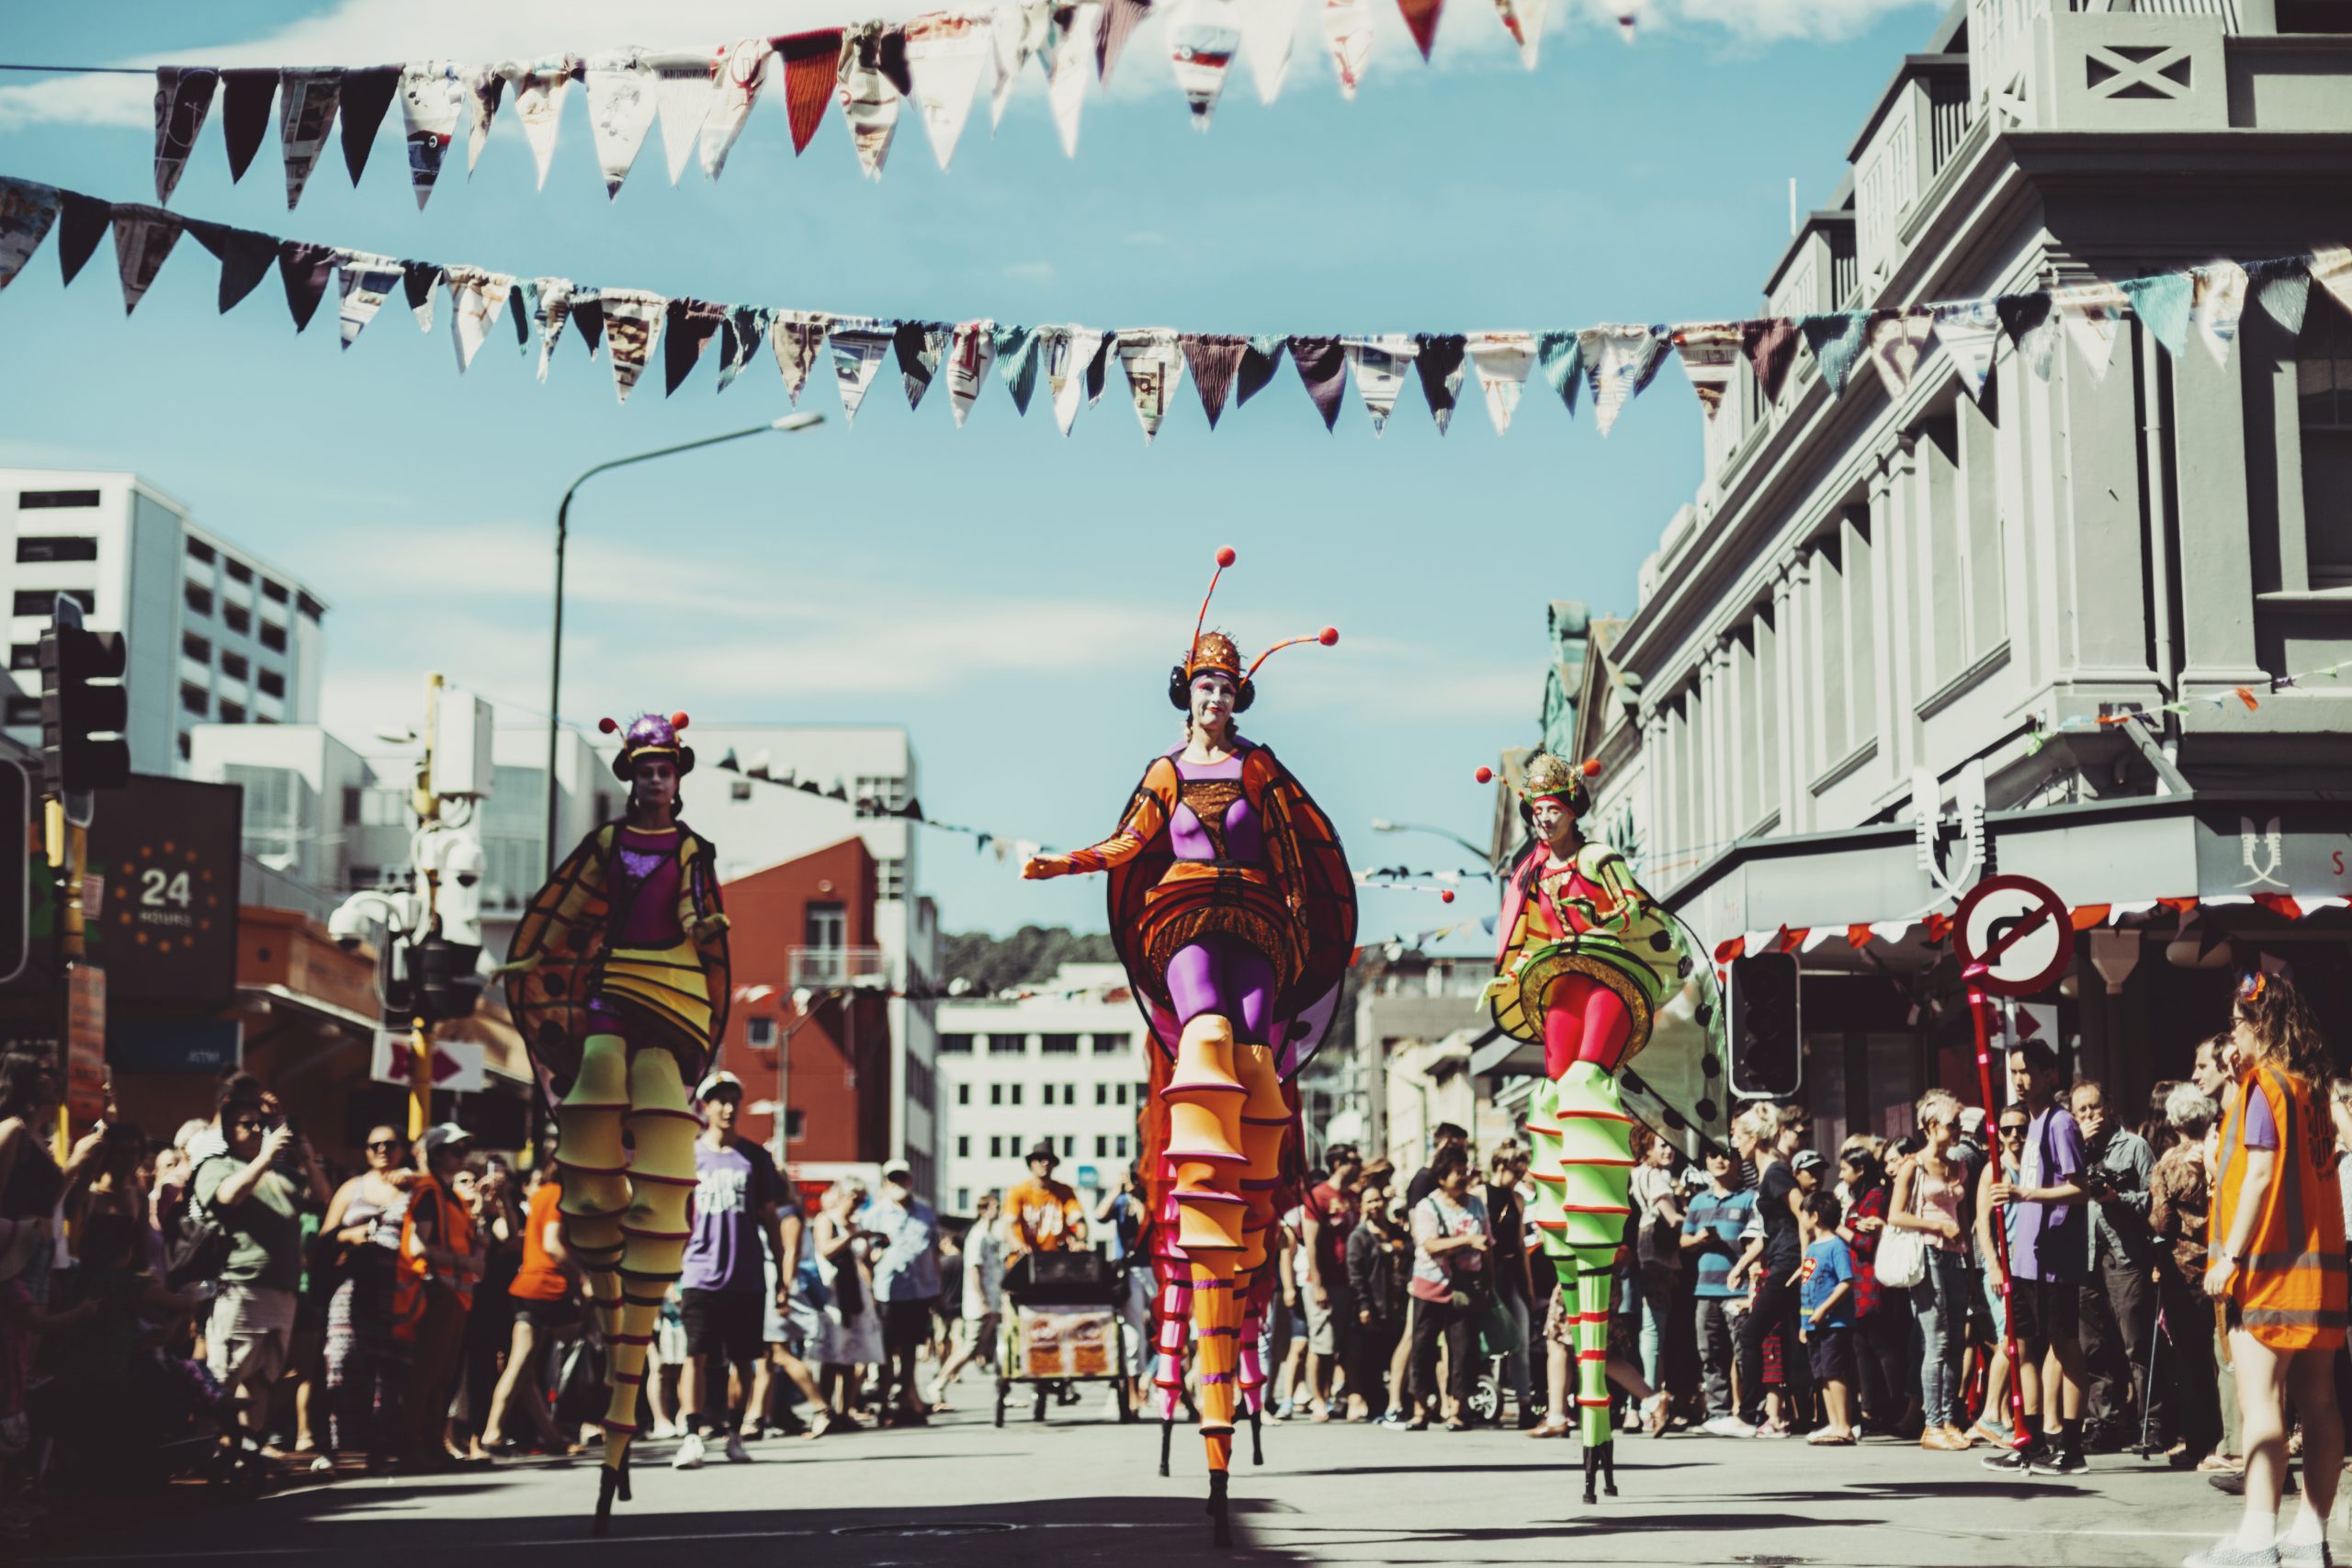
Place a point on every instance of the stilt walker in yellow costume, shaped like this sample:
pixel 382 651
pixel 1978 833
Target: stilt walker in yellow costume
pixel 1590 965
pixel 1234 912
pixel 618 980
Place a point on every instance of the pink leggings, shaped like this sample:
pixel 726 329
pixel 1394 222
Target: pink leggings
pixel 1584 1021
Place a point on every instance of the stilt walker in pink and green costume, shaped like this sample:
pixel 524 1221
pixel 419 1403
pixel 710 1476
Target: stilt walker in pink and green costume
pixel 1587 964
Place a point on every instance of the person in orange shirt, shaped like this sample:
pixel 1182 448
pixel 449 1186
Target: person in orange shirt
pixel 544 1309
pixel 1042 1214
pixel 432 1296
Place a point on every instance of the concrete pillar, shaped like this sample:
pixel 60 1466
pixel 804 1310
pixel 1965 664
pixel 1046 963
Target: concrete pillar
pixel 2211 517
pixel 2098 485
pixel 1797 710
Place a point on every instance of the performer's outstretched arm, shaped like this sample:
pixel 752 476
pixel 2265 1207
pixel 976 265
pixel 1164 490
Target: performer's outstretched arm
pixel 1147 816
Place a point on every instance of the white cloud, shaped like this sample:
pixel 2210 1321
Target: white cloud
pixel 1768 20
pixel 1030 272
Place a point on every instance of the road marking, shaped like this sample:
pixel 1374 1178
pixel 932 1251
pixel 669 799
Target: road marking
pixel 576 1543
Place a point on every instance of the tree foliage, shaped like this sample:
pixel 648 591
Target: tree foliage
pixel 1027 957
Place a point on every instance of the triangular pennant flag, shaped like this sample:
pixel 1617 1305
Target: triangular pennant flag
pixel 419 281
pixel 1120 19
pixel 1202 39
pixel 143 238
pixel 917 347
pixel 82 222
pixel 1072 357
pixel 860 345
pixel 1213 358
pixel 632 321
pixel 305 269
pixel 1322 369
pixel 1561 355
pixel 245 257
pixel 485 89
pixel 1069 49
pixel 2162 301
pixel 588 317
pixel 1268 29
pixel 1970 330
pixel 2031 325
pixel 1836 339
pixel 1628 18
pixel 620 111
pixel 798 339
pixel 554 308
pixel 28 213
pixel 523 310
pixel 2090 313
pixel 367 98
pixel 1525 20
pixel 945 54
pixel 1260 359
pixel 1710 355
pixel 690 326
pixel 1420 20
pixel 736 81
pixel 870 99
pixel 2331 268
pixel 1618 360
pixel 2216 301
pixel 1772 347
pixel 476 297
pixel 745 328
pixel 305 117
pixel 1154 361
pixel 1347 31
pixel 1501 361
pixel 812 72
pixel 1439 361
pixel 1898 340
pixel 182 97
pixel 540 86
pixel 2284 286
pixel 970 351
pixel 432 97
pixel 1016 363
pixel 366 281
pixel 245 96
pixel 682 94
pixel 1017 33
pixel 1379 366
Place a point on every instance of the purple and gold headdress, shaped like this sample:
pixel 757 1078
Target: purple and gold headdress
pixel 649 735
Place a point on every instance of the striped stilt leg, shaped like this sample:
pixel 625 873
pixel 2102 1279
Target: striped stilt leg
pixel 1596 1166
pixel 1203 1101
pixel 655 1230
pixel 1172 1313
pixel 1265 1122
pixel 596 1167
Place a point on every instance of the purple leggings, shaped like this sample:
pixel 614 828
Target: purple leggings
pixel 1222 975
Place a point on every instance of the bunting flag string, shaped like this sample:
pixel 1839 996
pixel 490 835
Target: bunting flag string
pixel 1615 363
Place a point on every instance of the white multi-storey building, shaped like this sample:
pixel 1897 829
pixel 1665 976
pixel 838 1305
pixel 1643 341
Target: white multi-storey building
pixel 216 634
pixel 1063 1064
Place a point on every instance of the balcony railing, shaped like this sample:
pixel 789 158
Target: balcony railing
pixel 837 966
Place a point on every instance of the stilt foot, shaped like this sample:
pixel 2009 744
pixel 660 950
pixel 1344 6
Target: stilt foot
pixel 1221 1523
pixel 1167 1431
pixel 1256 1444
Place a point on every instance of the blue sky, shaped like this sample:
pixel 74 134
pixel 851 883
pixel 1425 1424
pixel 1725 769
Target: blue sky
pixel 1012 597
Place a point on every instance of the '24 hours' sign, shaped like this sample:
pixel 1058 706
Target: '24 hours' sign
pixel 166 930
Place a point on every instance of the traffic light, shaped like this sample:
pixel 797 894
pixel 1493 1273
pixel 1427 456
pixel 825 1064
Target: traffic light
pixel 84 709
pixel 447 975
pixel 1767 1036
pixel 16 856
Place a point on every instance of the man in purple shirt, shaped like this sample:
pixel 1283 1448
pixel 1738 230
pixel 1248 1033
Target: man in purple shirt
pixel 2047 1257
pixel 722 1292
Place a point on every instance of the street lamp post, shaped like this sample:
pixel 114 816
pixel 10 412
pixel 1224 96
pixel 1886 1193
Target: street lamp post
pixel 1382 825
pixel 803 420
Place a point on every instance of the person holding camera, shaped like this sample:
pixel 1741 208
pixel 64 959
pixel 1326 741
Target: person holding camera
pixel 1451 1287
pixel 259 1204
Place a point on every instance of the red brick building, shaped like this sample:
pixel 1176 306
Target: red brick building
pixel 804 928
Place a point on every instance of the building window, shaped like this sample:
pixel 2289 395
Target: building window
pixel 198 550
pixel 231 713
pixel 272 638
pixel 825 926
pixel 35 548
pixel 996 1094
pixel 195 699
pixel 42 602
pixel 309 606
pixel 794 1124
pixel 1057 1044
pixel 996 1146
pixel 963 1145
pixel 760 1031
pixel 51 500
pixel 23 711
pixel 1069 1145
pixel 1102 1094
pixel 239 571
pixel 25 656
pixel 1101 1145
pixel 1008 1045
pixel 739 789
pixel 963 1199
pixel 187 746
pixel 955 1044
pixel 890 794
pixel 1110 1044
pixel 198 599
pixel 1015 1093
pixel 1122 1090
pixel 962 1094
pixel 1119 1146
pixel 233 666
pixel 196 648
pixel 892 875
pixel 271 683
pixel 274 592
pixel 237 620
pixel 352 793
pixel 2324 388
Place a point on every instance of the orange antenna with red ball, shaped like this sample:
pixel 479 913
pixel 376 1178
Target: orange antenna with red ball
pixel 1328 637
pixel 609 725
pixel 1483 775
pixel 1225 557
pixel 678 721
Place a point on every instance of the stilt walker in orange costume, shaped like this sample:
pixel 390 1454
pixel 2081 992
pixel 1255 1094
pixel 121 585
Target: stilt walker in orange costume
pixel 618 980
pixel 1234 911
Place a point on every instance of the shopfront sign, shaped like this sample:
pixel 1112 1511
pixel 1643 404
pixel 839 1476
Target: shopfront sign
pixel 2260 850
pixel 165 852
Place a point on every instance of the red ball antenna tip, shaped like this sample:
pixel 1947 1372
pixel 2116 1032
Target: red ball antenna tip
pixel 1592 767
pixel 609 725
pixel 679 721
pixel 1329 636
pixel 1445 895
pixel 1225 556
pixel 1484 775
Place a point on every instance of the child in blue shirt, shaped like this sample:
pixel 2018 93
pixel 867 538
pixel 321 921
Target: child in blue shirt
pixel 1828 1316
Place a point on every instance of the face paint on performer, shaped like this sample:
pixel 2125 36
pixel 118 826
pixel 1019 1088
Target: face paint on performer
pixel 654 786
pixel 1214 694
pixel 1553 821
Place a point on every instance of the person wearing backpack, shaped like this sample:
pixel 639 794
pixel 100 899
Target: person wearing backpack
pixel 256 1208
pixel 1452 1288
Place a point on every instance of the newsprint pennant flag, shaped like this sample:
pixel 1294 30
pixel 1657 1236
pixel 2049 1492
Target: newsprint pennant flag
pixel 432 97
pixel 1154 364
pixel 633 320
pixel 27 212
pixel 539 89
pixel 860 345
pixel 736 80
pixel 945 54
pixel 969 353
pixel 1070 51
pixel 1347 31
pixel 1268 30
pixel 870 99
pixel 366 281
pixel 1017 33
pixel 476 297
pixel 143 238
pixel 1202 39
pixel 306 118
pixel 798 337
pixel 182 97
pixel 2218 301
pixel 1501 361
pixel 1619 361
pixel 1969 331
pixel 1379 366
pixel 620 111
pixel 2090 312
pixel 1439 362
pixel 1710 353
pixel 681 92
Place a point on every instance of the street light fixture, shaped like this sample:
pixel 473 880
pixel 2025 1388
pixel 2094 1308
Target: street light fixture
pixel 1382 825
pixel 804 419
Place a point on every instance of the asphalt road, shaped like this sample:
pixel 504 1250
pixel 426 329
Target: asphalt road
pixel 1080 1490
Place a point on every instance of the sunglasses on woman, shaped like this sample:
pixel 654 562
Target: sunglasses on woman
pixel 2013 1129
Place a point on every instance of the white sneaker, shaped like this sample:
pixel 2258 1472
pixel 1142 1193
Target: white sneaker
pixel 736 1452
pixel 661 1431
pixel 1728 1426
pixel 689 1454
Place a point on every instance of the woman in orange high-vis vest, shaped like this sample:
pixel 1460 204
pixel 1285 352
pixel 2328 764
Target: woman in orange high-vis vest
pixel 2277 1261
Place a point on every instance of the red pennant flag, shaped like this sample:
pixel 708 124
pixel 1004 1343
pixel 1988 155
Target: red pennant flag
pixel 2280 904
pixel 1937 927
pixel 2088 916
pixel 813 64
pixel 1858 936
pixel 2178 906
pixel 2247 697
pixel 1420 16
pixel 1734 947
pixel 1791 938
